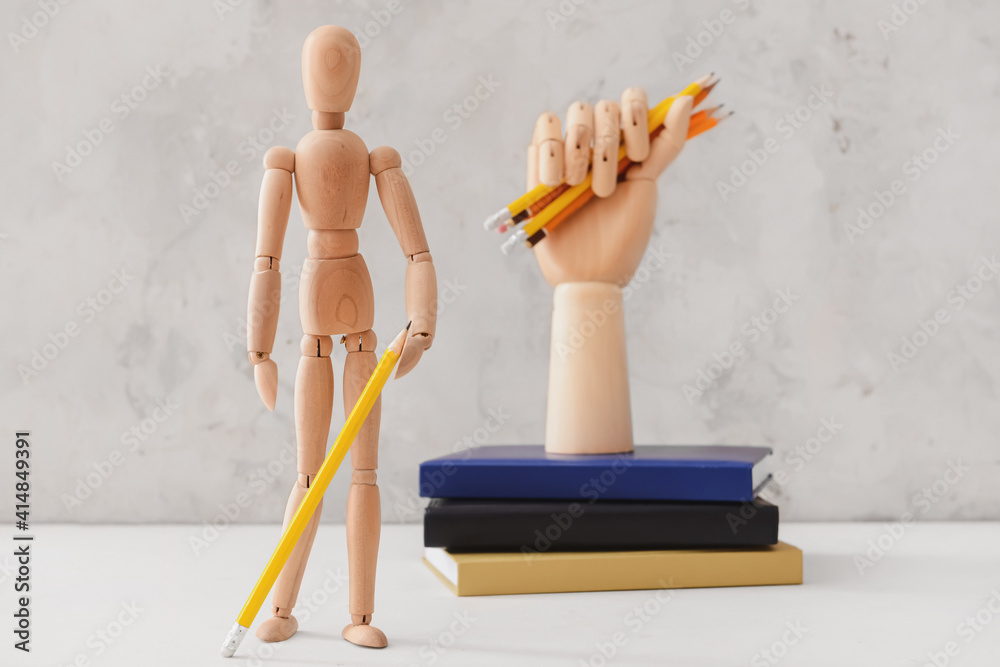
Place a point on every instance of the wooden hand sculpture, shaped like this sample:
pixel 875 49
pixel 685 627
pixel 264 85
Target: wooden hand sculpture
pixel 332 168
pixel 592 256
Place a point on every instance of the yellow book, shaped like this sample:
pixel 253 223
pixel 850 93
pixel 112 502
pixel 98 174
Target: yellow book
pixel 568 572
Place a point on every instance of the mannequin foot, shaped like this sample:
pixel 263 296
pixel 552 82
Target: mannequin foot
pixel 277 629
pixel 363 633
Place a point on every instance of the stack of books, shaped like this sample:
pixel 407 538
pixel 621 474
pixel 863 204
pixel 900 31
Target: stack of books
pixel 512 519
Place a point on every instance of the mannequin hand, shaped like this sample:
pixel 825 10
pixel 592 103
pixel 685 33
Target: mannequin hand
pixel 604 241
pixel 421 308
pixel 413 349
pixel 265 376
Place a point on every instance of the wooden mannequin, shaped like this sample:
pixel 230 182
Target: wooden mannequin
pixel 590 257
pixel 332 167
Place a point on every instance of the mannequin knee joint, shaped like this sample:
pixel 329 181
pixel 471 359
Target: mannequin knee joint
pixel 360 342
pixel 363 477
pixel 316 346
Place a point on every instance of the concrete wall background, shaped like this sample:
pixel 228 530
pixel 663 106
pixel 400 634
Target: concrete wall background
pixel 227 74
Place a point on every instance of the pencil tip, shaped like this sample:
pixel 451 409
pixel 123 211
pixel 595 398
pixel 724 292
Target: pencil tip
pixel 408 325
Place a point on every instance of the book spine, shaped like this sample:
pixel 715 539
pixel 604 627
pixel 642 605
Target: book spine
pixel 587 483
pixel 767 566
pixel 553 526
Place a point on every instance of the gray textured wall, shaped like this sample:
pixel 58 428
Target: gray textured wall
pixel 155 296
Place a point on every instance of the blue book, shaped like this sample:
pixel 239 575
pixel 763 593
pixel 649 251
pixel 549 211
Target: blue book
pixel 653 472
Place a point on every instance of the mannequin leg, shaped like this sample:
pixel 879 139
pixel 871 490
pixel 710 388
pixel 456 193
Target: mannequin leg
pixel 363 508
pixel 313 411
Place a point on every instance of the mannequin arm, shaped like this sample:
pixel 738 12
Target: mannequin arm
pixel 265 283
pixel 421 282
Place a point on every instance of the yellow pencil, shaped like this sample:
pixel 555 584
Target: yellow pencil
pixel 315 494
pixel 656 117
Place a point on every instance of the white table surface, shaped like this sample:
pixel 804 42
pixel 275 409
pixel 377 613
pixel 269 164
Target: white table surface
pixel 905 608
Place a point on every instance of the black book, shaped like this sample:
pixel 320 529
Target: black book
pixel 536 526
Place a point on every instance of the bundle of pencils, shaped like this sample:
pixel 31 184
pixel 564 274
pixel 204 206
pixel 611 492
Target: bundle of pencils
pixel 544 207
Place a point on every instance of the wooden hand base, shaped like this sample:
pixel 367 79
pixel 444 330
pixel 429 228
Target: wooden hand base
pixel 589 411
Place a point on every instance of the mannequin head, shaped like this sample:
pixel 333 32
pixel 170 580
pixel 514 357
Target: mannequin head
pixel 331 64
